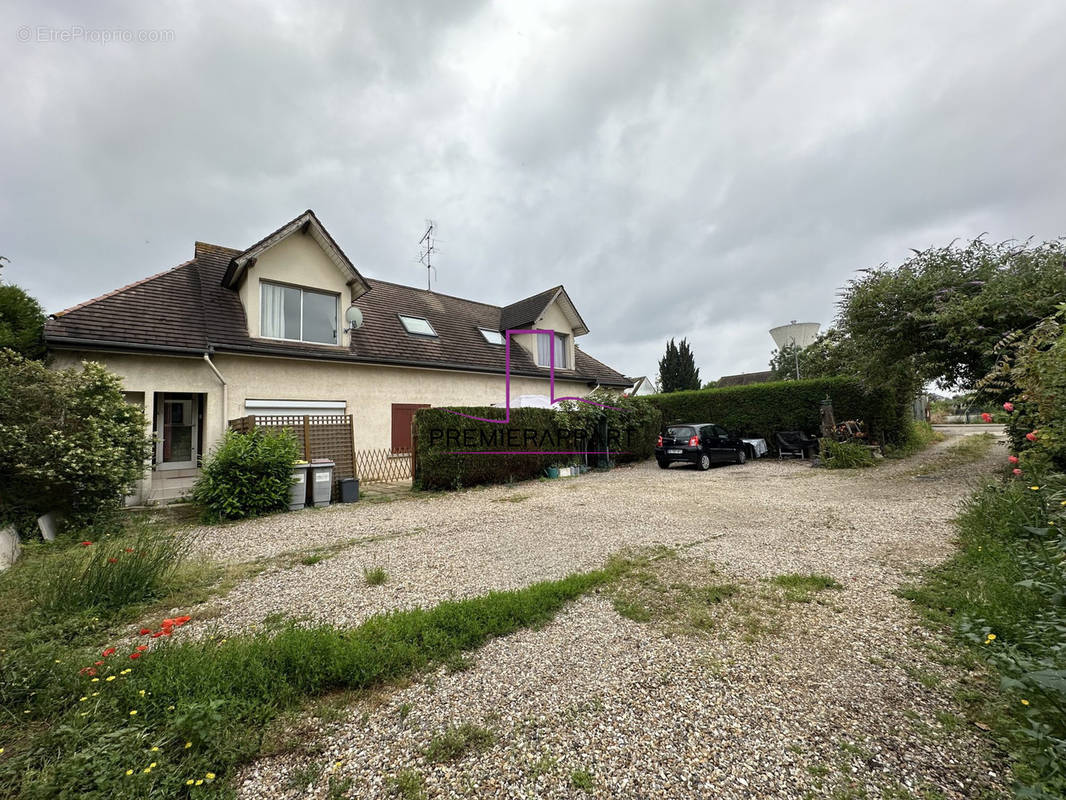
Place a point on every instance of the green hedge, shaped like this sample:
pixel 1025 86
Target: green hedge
pixel 577 426
pixel 762 409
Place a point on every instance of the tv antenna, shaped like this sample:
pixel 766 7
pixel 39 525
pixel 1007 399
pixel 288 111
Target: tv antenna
pixel 427 247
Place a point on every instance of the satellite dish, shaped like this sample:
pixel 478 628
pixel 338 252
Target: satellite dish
pixel 354 317
pixel 801 334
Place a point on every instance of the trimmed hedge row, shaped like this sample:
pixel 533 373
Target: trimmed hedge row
pixel 454 451
pixel 762 409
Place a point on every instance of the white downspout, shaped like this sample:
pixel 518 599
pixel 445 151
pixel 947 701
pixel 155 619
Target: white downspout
pixel 225 391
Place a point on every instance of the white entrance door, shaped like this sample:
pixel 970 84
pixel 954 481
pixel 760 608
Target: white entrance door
pixel 177 431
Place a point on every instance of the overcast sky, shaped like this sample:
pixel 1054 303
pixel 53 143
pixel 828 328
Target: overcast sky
pixel 685 169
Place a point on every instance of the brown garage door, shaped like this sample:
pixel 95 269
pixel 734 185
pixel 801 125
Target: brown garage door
pixel 403 415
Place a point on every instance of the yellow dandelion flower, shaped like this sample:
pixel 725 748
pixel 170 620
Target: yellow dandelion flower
pixel 170 708
pixel 133 713
pixel 200 782
pixel 189 782
pixel 95 680
pixel 147 770
pixel 1025 702
pixel 109 678
pixel 1 751
pixel 95 694
pixel 27 711
pixel 82 699
pixel 1035 488
pixel 210 776
pixel 991 636
pixel 129 772
pixel 154 750
pixel 188 745
pixel 58 661
pixel 83 714
pixel 142 692
pixel 152 765
pixel 126 671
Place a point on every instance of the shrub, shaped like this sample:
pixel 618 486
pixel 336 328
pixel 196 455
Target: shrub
pixel 21 322
pixel 248 474
pixel 69 442
pixel 112 573
pixel 447 444
pixel 762 409
pixel 918 435
pixel 845 455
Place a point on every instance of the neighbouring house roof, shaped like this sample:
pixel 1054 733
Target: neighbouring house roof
pixel 188 309
pixel 526 312
pixel 642 379
pixel 744 378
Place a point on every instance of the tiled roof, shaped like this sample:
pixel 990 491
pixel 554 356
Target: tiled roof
pixel 187 309
pixel 525 312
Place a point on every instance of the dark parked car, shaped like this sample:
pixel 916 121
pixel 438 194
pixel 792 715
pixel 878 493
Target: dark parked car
pixel 699 443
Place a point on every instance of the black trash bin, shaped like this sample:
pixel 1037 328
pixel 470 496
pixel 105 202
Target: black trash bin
pixel 349 490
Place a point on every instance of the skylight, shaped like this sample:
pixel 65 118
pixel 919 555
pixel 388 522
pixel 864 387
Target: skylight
pixel 417 325
pixel 491 336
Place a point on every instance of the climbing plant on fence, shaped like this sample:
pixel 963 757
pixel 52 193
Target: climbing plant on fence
pixel 765 408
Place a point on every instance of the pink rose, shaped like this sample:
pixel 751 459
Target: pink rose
pixel 1031 436
pixel 1012 459
pixel 1008 407
pixel 1016 471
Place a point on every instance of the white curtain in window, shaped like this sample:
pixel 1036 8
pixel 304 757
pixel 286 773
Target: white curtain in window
pixel 560 351
pixel 544 344
pixel 272 312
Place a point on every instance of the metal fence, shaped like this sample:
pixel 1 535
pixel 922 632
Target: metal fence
pixel 326 436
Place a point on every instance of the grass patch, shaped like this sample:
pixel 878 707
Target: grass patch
pixel 454 743
pixel 845 455
pixel 512 498
pixel 407 784
pixel 582 780
pixel 375 576
pixel 799 587
pixel 967 450
pixel 208 705
pixel 919 434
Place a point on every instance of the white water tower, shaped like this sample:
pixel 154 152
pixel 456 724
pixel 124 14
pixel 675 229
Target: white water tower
pixel 797 334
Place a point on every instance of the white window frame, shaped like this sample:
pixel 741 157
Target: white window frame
pixel 302 289
pixel 491 332
pixel 557 339
pixel 404 317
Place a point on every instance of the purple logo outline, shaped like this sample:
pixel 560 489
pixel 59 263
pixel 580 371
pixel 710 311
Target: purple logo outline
pixel 507 382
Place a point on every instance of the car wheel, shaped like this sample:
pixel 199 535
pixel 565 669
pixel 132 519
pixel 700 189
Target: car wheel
pixel 741 456
pixel 663 464
pixel 705 462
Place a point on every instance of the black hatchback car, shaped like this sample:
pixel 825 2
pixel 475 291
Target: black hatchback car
pixel 699 443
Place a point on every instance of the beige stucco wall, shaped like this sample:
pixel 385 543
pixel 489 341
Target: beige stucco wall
pixel 299 261
pixel 367 390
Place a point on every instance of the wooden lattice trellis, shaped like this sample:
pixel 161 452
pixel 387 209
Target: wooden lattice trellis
pixel 320 436
pixel 383 466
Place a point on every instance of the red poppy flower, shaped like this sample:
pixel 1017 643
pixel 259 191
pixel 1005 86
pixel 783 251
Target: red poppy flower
pixel 1008 407
pixel 986 417
pixel 1016 471
pixel 129 549
pixel 108 652
pixel 135 655
pixel 1012 459
pixel 98 663
pixel 168 623
pixel 112 561
pixel 157 634
pixel 85 544
pixel 1031 436
pixel 141 648
pixel 167 632
pixel 181 620
pixel 87 671
pixel 145 631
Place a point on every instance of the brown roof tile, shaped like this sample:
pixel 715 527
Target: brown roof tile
pixel 188 309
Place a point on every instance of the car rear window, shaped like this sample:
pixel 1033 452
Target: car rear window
pixel 681 432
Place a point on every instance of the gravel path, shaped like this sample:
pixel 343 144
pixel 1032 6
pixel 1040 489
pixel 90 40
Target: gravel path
pixel 832 698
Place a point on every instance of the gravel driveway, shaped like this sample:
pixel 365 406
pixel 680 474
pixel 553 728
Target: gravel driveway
pixel 841 697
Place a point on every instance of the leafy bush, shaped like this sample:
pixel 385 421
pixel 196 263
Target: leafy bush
pixel 845 455
pixel 69 442
pixel 111 573
pixel 248 474
pixel 1004 595
pixel 762 409
pixel 448 444
pixel 21 322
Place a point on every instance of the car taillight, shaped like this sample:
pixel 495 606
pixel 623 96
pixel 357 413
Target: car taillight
pixel 660 442
pixel 695 440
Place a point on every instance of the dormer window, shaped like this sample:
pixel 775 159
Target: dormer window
pixel 419 326
pixel 545 343
pixel 491 336
pixel 297 314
